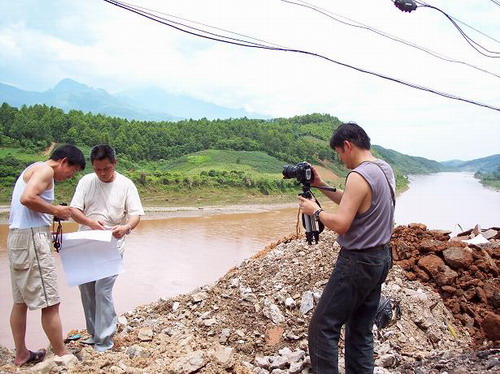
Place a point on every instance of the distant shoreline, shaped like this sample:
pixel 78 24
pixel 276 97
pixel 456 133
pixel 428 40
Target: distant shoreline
pixel 158 212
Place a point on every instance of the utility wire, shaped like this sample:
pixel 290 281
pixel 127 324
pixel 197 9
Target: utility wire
pixel 248 44
pixel 150 12
pixel 479 48
pixel 469 26
pixel 357 24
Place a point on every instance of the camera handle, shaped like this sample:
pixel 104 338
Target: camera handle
pixel 312 227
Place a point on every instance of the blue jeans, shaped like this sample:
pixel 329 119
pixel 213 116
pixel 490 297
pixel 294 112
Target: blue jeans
pixel 350 297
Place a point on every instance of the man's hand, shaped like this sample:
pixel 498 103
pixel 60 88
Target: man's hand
pixel 62 212
pixel 317 181
pixel 96 225
pixel 119 231
pixel 307 206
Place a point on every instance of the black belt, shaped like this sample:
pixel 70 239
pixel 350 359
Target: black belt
pixel 376 248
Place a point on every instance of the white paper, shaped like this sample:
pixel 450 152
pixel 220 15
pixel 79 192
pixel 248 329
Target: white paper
pixel 87 256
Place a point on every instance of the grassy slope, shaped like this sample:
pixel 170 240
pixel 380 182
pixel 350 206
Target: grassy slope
pixel 253 164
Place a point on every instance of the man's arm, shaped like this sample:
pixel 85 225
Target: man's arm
pixel 41 180
pixel 121 230
pixel 356 192
pixel 79 217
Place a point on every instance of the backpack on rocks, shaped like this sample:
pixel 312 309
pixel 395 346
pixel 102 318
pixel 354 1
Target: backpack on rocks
pixel 388 312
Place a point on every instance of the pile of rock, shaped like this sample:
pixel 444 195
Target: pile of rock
pixel 255 319
pixel 466 275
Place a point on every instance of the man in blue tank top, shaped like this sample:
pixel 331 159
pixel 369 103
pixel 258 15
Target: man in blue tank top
pixel 364 222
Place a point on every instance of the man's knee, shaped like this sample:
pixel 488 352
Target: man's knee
pixel 51 309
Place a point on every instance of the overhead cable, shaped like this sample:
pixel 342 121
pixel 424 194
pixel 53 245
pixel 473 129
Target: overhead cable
pixel 249 44
pixel 409 5
pixel 357 24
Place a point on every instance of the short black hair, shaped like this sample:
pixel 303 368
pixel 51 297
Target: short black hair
pixel 71 153
pixel 101 152
pixel 351 132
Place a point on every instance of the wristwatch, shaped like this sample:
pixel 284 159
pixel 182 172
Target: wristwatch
pixel 129 228
pixel 316 213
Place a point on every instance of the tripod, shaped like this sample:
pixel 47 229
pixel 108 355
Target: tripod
pixel 312 227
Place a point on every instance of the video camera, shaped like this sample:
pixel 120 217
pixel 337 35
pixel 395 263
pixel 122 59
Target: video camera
pixel 302 171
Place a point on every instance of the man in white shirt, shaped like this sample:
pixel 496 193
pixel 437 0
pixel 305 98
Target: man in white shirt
pixel 104 200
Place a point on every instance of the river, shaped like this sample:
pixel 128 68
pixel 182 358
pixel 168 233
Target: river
pixel 448 201
pixel 170 256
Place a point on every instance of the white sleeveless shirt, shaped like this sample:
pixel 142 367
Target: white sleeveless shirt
pixel 21 217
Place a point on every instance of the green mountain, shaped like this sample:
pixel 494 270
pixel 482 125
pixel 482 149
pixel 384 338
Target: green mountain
pixel 488 164
pixel 409 164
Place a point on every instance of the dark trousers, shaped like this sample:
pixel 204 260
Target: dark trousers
pixel 350 297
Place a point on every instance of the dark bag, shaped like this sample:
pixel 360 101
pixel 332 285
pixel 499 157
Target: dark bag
pixel 388 311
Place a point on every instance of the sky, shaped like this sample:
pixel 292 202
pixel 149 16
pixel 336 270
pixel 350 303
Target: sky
pixel 104 46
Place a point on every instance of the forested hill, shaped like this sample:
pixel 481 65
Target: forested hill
pixel 167 154
pixel 409 164
pixel 488 164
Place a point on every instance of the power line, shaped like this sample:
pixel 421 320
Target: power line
pixel 409 5
pixel 469 26
pixel 224 39
pixel 357 24
pixel 150 11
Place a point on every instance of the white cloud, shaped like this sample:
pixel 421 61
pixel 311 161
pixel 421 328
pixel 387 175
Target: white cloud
pixel 104 46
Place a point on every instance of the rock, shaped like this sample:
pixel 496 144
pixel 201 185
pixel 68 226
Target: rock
pixel 224 335
pixel 223 355
pixel 45 367
pixel 263 361
pixel 136 351
pixel 438 270
pixel 491 326
pixel 198 297
pixel 290 303
pixel 175 306
pixel 458 258
pixel 386 361
pixel 273 335
pixel 145 334
pixel 307 302
pixel 272 312
pixel 189 363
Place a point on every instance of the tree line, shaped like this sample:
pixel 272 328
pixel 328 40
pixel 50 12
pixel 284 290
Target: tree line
pixel 36 127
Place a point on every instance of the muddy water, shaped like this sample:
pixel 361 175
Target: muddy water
pixel 163 258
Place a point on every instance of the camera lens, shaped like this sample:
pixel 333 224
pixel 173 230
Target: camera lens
pixel 289 171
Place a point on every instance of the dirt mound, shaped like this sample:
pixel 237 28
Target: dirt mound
pixel 466 276
pixel 255 319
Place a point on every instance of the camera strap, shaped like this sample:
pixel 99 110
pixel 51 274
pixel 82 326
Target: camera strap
pixel 57 235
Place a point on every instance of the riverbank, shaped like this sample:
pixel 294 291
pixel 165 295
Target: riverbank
pixel 254 319
pixel 160 212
